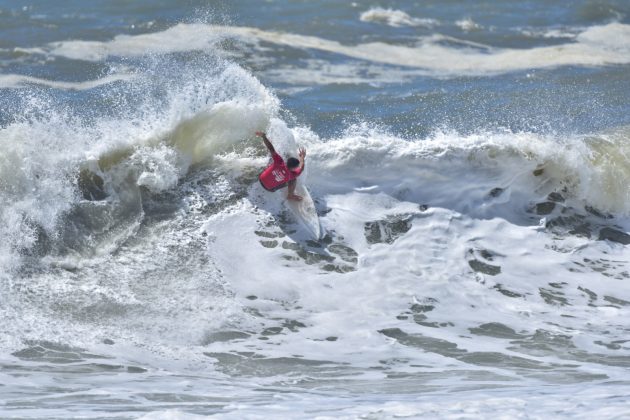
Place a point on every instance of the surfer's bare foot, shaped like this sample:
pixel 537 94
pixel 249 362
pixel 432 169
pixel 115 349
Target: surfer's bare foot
pixel 294 197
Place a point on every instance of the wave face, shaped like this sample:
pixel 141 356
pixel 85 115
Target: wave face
pixel 470 172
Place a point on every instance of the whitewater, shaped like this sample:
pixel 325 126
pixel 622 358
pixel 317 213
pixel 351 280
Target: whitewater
pixel 470 172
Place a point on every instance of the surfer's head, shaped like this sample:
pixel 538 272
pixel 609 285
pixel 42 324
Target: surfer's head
pixel 293 163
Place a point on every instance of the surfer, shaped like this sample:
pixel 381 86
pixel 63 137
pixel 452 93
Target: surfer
pixel 280 174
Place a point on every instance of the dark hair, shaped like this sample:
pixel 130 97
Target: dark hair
pixel 292 163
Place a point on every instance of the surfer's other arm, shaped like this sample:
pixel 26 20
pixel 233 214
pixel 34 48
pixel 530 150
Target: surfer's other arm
pixel 302 157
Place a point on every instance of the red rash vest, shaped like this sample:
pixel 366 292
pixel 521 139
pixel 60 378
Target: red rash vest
pixel 277 175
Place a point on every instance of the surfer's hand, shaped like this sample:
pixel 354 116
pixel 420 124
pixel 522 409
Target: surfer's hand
pixel 260 134
pixel 294 197
pixel 302 153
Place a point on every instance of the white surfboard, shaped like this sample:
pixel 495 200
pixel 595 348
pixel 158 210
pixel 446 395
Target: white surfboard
pixel 305 212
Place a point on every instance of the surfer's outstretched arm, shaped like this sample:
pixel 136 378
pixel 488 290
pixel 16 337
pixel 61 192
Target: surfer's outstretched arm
pixel 266 141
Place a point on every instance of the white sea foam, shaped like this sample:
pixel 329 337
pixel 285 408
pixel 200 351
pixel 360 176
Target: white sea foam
pixel 595 46
pixel 357 329
pixel 35 188
pixel 537 403
pixel 321 72
pixel 181 37
pixel 613 36
pixel 364 317
pixel 364 176
pixel 395 18
pixel 569 33
pixel 467 25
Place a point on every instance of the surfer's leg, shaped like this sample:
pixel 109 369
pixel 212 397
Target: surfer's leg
pixel 291 194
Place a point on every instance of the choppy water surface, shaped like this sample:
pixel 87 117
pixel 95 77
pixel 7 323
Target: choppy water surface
pixel 470 164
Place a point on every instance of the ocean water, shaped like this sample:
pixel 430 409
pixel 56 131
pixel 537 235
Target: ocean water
pixel 470 165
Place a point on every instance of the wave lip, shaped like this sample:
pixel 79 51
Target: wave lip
pixel 590 170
